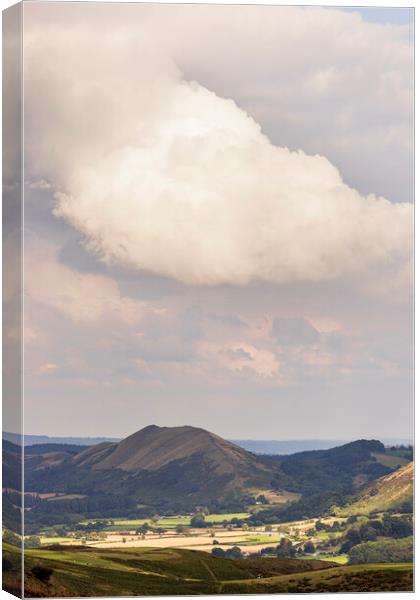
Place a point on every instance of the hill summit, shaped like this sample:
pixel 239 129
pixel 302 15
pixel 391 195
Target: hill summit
pixel 154 447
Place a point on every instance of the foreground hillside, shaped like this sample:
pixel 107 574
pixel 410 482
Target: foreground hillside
pixel 80 571
pixel 391 492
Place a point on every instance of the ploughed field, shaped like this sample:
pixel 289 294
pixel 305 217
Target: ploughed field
pixel 58 571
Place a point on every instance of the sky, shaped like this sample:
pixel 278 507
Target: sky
pixel 218 220
pixel 392 16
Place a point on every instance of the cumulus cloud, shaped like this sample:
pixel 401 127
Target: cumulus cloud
pixel 318 79
pixel 241 356
pixel 162 175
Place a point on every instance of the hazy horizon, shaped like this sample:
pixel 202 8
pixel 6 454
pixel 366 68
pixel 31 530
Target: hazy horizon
pixel 231 437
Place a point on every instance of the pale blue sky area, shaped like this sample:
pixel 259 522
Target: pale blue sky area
pixel 395 16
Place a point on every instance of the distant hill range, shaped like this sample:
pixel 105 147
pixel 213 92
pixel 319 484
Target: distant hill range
pixel 256 446
pixel 180 469
pixel 29 440
pixel 287 446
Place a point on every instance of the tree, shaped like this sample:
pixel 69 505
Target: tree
pixel 353 536
pixel 32 542
pixel 198 521
pixel 285 549
pixel 397 527
pixel 180 529
pixel 309 547
pixel 385 551
pixel 234 553
pixel 368 533
pixel 144 528
pixel 268 528
pixel 218 552
pixel 262 499
pixel 11 538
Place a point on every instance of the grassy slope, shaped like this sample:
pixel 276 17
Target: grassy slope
pixel 390 460
pixel 86 571
pixel 366 578
pixel 386 493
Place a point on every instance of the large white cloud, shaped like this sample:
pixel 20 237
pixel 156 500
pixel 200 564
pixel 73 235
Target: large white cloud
pixel 161 174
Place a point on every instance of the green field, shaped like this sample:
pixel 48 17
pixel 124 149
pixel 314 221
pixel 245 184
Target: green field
pixel 342 559
pixel 390 460
pixel 169 522
pixel 260 539
pixel 85 571
pixel 55 540
pixel 213 518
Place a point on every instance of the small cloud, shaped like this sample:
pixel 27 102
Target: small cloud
pixel 239 353
pixel 47 368
pixel 325 324
pixel 242 356
pixel 39 184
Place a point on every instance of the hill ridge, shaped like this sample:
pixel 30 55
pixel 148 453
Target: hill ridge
pixel 154 447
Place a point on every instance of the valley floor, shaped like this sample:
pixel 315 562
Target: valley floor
pixel 253 540
pixel 123 535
